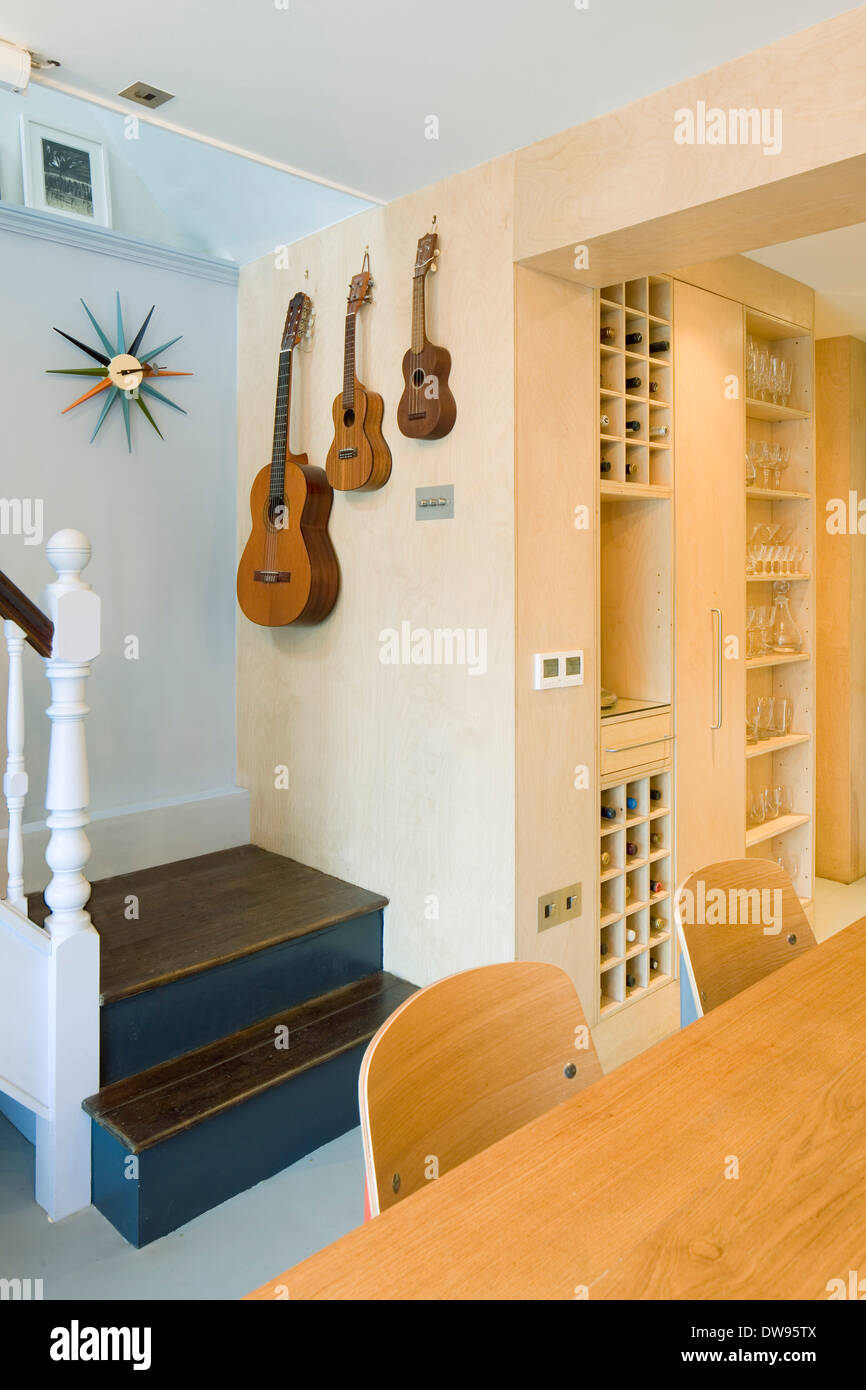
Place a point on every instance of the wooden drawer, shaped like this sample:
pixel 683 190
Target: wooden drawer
pixel 636 742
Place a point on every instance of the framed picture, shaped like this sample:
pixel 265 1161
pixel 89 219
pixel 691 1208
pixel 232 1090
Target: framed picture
pixel 64 173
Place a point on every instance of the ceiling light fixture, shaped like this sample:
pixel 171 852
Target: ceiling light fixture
pixel 16 63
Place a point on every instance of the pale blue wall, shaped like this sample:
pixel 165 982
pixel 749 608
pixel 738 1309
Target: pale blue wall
pixel 161 520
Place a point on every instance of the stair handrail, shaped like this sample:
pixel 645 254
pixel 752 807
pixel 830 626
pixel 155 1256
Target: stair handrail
pixel 16 607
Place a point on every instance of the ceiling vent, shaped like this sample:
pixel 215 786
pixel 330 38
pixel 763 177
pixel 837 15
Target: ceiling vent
pixel 145 95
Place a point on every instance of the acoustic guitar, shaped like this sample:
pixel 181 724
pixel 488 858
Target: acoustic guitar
pixel 288 572
pixel 358 460
pixel 427 409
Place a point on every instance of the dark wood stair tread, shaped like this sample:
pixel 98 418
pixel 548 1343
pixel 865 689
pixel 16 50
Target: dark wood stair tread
pixel 198 913
pixel 145 1109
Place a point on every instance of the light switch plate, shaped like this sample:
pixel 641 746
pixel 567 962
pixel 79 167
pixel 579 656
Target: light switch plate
pixel 434 503
pixel 562 905
pixel 553 670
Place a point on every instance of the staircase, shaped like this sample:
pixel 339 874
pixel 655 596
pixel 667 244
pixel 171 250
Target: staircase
pixel 238 992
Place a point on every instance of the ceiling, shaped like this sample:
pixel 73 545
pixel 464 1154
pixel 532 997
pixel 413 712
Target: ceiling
pixel 834 264
pixel 341 90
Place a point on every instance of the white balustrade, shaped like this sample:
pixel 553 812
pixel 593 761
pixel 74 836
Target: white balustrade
pixel 15 778
pixel 75 611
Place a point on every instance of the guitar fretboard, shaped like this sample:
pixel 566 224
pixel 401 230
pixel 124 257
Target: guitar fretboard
pixel 349 364
pixel 419 327
pixel 281 424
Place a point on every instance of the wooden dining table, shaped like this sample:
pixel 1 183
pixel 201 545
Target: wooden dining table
pixel 727 1162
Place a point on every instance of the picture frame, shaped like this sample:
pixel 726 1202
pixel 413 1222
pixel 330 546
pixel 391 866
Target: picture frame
pixel 64 173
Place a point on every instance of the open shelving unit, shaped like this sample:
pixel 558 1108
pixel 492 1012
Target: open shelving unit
pixel 786 759
pixel 636 949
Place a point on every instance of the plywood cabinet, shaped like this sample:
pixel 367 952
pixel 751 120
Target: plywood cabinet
pixel 710 598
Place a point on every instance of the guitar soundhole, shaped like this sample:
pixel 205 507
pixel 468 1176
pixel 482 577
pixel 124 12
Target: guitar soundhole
pixel 348 418
pixel 277 514
pixel 418 377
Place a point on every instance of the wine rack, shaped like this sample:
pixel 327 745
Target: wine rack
pixel 635 388
pixel 787 758
pixel 636 952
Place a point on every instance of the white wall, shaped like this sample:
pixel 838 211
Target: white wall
pixel 161 519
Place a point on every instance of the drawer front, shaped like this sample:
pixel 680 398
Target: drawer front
pixel 635 743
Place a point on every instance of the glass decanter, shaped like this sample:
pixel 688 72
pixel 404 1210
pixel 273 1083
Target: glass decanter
pixel 786 634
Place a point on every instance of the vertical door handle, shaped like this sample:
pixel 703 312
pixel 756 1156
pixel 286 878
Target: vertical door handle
pixel 717 630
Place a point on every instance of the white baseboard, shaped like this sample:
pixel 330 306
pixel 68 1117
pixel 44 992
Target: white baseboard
pixel 139 837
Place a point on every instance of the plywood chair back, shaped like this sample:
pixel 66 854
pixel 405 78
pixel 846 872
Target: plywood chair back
pixel 463 1063
pixel 738 921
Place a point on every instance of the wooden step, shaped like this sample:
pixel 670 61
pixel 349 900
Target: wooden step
pixel 220 941
pixel 199 913
pixel 184 1136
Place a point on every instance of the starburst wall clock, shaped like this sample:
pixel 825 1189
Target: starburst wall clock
pixel 125 373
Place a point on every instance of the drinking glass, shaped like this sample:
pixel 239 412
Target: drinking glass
pixel 771 802
pixel 752 719
pixel 767 624
pixel 753 634
pixel 781 456
pixel 755 808
pixel 783 799
pixel 775 377
pixel 783 715
pixel 762 366
pixel 765 716
pixel 787 380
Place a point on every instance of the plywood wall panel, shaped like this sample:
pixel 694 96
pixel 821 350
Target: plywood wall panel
pixel 401 778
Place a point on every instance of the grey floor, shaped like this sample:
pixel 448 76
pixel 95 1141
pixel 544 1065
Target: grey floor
pixel 231 1250
pixel 221 1255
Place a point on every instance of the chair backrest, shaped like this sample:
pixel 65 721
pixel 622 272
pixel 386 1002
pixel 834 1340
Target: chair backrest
pixel 463 1063
pixel 738 921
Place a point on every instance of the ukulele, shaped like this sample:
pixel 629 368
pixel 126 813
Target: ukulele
pixel 427 409
pixel 358 460
pixel 288 572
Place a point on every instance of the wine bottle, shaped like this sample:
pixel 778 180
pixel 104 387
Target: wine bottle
pixel 655 794
pixel 659 432
pixel 631 848
pixel 628 892
pixel 661 345
pixel 603 948
pixel 608 334
pixel 609 812
pixel 632 383
pixel 605 465
pixel 631 803
pixel 659 924
pixel 631 470
pixel 654 965
pixel 655 885
pixel 605 859
pixel 656 840
pixel 653 388
pixel 631 934
pixel 633 425
pixel 604 421
pixel 630 980
pixel 633 338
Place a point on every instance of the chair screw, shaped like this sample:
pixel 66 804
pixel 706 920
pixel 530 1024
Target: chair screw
pixel 569 1070
pixel 792 939
pixel 395 1182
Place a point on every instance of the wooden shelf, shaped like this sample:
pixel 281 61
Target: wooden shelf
pixel 777 494
pixel 609 874
pixel 635 491
pixel 754 663
pixel 773 414
pixel 771 828
pixel 609 918
pixel 775 745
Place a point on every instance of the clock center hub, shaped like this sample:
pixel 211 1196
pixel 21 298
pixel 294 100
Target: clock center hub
pixel 125 372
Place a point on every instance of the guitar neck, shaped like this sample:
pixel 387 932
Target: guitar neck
pixel 349 363
pixel 419 325
pixel 282 413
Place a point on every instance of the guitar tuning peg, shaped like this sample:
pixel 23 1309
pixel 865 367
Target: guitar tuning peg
pixel 433 267
pixel 436 253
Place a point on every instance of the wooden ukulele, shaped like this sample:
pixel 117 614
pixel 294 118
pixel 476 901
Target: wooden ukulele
pixel 358 460
pixel 427 409
pixel 288 572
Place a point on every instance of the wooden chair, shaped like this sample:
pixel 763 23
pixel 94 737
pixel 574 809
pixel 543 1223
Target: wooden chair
pixel 463 1063
pixel 731 941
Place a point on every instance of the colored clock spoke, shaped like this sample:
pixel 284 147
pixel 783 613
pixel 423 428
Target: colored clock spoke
pixel 113 372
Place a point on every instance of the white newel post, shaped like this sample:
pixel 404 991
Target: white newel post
pixel 15 778
pixel 63 1140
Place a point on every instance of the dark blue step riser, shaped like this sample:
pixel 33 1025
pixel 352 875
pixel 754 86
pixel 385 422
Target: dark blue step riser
pixel 151 1027
pixel 196 1170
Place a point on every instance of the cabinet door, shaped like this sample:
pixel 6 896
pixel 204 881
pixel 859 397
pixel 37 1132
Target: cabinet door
pixel 710 586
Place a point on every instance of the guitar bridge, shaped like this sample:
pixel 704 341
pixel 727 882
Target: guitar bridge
pixel 347 454
pixel 272 576
pixel 417 414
